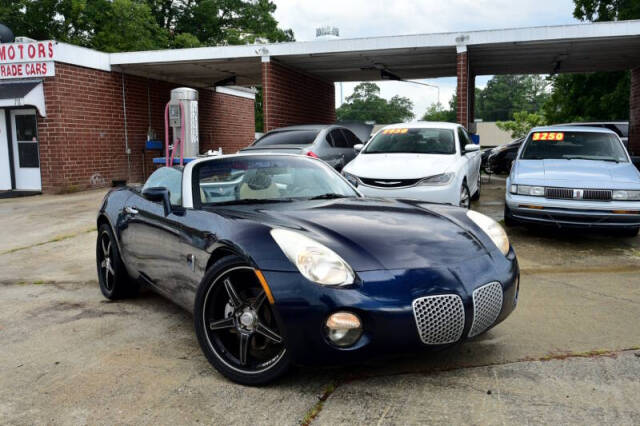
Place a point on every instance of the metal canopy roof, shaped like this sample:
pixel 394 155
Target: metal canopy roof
pixel 602 46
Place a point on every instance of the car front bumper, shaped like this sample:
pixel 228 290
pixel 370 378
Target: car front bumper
pixel 443 194
pixel 384 302
pixel 574 213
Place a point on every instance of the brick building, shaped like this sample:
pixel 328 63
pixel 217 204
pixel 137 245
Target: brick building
pixel 72 117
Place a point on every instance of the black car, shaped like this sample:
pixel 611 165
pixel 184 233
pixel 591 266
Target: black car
pixel 331 143
pixel 281 261
pixel 501 157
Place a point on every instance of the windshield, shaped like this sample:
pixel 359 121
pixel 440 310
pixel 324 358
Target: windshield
pixel 255 179
pixel 288 137
pixel 573 145
pixel 419 141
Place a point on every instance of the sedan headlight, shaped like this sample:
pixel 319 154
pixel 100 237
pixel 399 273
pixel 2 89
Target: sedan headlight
pixel 353 180
pixel 535 191
pixel 622 195
pixel 441 179
pixel 492 229
pixel 315 261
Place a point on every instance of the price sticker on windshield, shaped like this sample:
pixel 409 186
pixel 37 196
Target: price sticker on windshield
pixel 548 136
pixel 394 131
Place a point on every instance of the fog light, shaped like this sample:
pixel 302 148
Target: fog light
pixel 343 328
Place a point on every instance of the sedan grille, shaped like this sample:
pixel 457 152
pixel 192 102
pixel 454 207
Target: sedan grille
pixel 440 319
pixel 487 304
pixel 578 194
pixel 389 183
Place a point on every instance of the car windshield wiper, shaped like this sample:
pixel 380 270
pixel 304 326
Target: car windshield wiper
pixel 581 157
pixel 330 196
pixel 252 201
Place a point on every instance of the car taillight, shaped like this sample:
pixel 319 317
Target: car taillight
pixel 312 154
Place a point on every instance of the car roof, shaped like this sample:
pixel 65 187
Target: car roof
pixel 423 125
pixel 308 127
pixel 570 128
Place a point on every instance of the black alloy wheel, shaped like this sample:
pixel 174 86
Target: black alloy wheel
pixel 114 281
pixel 476 195
pixel 236 325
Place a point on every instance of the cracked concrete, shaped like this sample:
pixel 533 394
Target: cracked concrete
pixel 68 356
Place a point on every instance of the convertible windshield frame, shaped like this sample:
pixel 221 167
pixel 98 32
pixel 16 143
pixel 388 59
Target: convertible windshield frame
pixel 335 185
pixel 445 137
pixel 571 144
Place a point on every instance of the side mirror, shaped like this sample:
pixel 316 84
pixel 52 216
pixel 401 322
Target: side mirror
pixel 471 148
pixel 358 147
pixel 161 194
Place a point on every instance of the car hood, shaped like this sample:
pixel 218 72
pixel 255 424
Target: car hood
pixel 400 166
pixel 372 234
pixel 582 173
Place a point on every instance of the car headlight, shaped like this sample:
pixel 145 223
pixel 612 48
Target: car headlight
pixel 315 262
pixel 353 180
pixel 623 195
pixel 492 229
pixel 441 179
pixel 535 191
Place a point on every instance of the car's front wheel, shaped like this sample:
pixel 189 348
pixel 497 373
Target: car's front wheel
pixel 476 195
pixel 465 196
pixel 114 281
pixel 236 325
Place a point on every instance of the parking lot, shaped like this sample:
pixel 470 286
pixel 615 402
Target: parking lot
pixel 571 350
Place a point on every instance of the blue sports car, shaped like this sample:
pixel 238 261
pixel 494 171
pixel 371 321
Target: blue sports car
pixel 569 176
pixel 282 261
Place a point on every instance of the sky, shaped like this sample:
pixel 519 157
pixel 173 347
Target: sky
pixel 371 18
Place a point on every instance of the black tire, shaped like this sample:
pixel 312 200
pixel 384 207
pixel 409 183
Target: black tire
pixel 249 323
pixel 476 195
pixel 508 218
pixel 630 232
pixel 113 278
pixel 465 196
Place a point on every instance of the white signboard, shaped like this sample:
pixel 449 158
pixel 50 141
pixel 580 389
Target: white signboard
pixel 27 60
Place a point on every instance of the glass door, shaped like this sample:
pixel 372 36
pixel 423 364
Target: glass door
pixel 26 155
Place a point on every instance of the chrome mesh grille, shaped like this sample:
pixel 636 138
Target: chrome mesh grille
pixel 487 304
pixel 440 319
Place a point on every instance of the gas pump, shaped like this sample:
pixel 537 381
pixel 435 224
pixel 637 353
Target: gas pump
pixel 181 114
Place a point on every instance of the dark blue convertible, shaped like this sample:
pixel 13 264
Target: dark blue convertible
pixel 282 261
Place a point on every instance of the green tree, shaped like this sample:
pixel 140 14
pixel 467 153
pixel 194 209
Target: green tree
pixel 437 112
pixel 365 104
pixel 522 123
pixel 593 96
pixel 506 94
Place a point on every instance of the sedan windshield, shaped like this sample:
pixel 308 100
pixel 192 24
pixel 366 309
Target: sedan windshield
pixel 259 179
pixel 573 146
pixel 418 141
pixel 288 137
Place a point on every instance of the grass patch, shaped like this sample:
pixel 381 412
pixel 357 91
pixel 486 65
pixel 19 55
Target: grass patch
pixel 317 407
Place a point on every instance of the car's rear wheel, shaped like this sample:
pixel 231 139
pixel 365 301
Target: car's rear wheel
pixel 113 278
pixel 236 325
pixel 476 195
pixel 465 196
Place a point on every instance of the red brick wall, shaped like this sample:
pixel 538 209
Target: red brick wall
pixel 462 89
pixel 634 114
pixel 292 97
pixel 82 141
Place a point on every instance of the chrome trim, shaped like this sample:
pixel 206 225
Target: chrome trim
pixel 487 305
pixel 439 319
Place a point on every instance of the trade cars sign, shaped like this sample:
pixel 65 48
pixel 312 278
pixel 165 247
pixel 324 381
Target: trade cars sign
pixel 27 60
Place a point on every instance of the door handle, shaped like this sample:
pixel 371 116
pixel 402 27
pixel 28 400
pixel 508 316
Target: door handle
pixel 130 210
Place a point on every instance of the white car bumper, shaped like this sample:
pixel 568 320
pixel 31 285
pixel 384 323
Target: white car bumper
pixel 446 194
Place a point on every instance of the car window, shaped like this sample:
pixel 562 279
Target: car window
pixel 351 138
pixel 170 178
pixel 287 137
pixel 573 145
pixel 273 178
pixel 339 140
pixel 462 139
pixel 416 140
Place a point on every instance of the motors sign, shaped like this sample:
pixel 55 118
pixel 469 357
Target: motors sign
pixel 27 60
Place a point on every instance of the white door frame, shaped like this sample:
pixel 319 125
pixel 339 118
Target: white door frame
pixel 26 178
pixel 5 159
